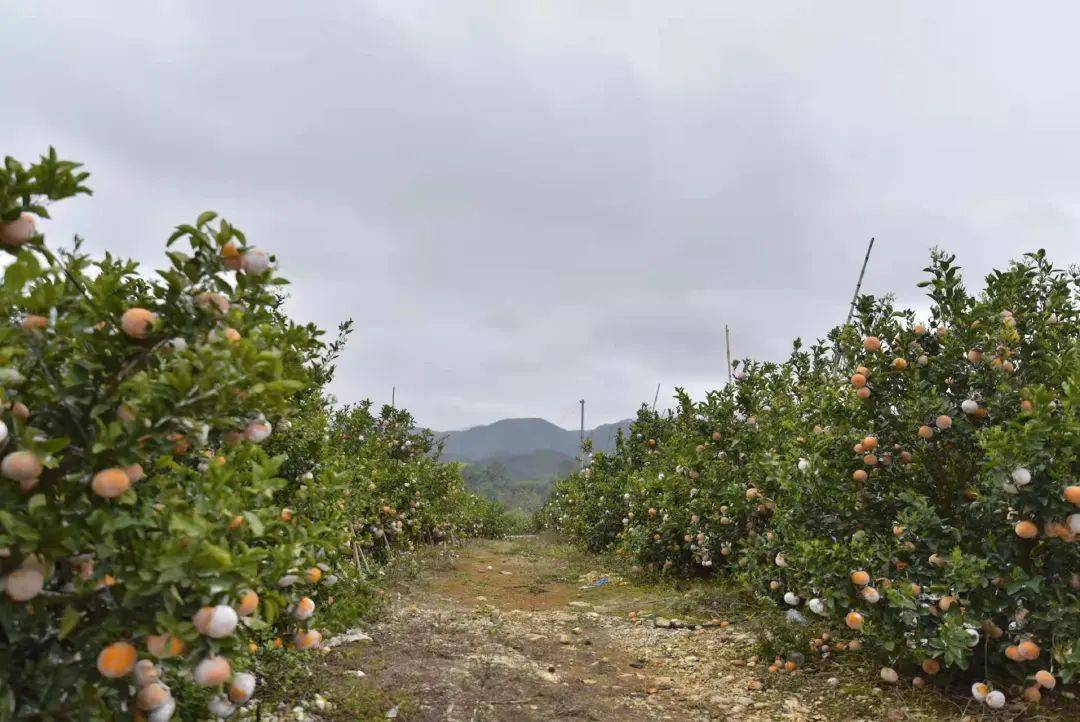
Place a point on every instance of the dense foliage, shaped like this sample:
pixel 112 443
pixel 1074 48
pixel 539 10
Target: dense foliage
pixel 493 480
pixel 914 480
pixel 177 493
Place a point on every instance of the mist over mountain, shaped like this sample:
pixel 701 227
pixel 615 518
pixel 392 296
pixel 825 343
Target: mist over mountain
pixel 517 460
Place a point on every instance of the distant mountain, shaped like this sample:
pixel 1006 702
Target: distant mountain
pixel 516 460
pixel 539 464
pixel 515 437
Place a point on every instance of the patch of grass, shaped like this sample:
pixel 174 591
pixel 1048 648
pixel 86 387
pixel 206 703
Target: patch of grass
pixel 361 700
pixel 355 601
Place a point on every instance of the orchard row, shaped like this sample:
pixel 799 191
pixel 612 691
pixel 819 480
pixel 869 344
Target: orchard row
pixel 178 497
pixel 914 484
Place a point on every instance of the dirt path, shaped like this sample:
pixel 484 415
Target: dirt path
pixel 517 630
pixel 531 629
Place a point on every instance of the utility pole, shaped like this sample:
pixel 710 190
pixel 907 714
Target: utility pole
pixel 581 438
pixel 393 396
pixel 727 342
pixel 858 285
pixel 656 398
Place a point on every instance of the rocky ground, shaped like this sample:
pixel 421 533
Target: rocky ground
pixel 526 629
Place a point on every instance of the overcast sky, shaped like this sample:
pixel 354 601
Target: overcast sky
pixel 526 203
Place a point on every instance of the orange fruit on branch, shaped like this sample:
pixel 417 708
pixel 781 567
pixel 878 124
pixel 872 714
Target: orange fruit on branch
pixel 1026 529
pixel 24 584
pixel 1072 495
pixel 138 322
pixel 17 232
pixel 248 604
pixel 110 483
pixel 116 660
pixel 231 257
pixel 1045 679
pixel 212 671
pixel 21 466
pixel 33 322
pixel 1029 650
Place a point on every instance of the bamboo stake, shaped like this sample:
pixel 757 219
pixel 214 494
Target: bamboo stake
pixel 727 342
pixel 858 285
pixel 363 556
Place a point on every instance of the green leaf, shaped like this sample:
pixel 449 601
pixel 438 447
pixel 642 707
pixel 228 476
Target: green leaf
pixel 212 558
pixel 36 502
pixel 24 269
pixel 255 523
pixel 68 622
pixel 17 527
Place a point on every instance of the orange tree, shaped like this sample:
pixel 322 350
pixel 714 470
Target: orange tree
pixel 172 489
pixel 136 519
pixel 915 481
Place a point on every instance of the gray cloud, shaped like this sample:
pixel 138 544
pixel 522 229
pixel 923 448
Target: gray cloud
pixel 526 203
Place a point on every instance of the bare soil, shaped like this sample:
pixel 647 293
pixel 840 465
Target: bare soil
pixel 519 630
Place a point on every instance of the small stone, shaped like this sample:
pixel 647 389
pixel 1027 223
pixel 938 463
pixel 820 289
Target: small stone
pixel 663 683
pixel 662 623
pixel 564 639
pixel 754 685
pixel 832 681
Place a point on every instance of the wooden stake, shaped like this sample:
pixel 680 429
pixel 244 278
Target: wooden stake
pixel 581 438
pixel 858 285
pixel 356 558
pixel 727 342
pixel 363 556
